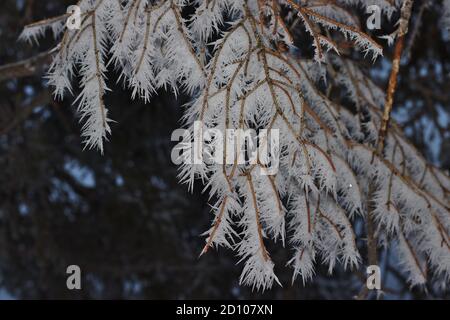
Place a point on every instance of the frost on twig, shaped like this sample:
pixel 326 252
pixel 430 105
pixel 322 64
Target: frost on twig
pixel 235 58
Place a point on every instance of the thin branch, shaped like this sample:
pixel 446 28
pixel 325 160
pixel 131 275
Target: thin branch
pixel 402 31
pixel 26 68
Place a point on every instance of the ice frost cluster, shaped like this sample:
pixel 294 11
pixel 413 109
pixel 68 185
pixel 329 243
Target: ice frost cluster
pixel 237 60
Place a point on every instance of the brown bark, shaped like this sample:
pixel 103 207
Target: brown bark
pixel 26 67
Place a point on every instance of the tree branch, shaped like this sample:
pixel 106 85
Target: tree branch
pixel 401 33
pixel 25 68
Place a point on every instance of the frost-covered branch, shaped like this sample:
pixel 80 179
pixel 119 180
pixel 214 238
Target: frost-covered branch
pixel 238 61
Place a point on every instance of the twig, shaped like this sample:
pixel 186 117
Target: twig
pixel 26 67
pixel 401 33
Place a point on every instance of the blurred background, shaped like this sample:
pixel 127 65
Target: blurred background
pixel 122 216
